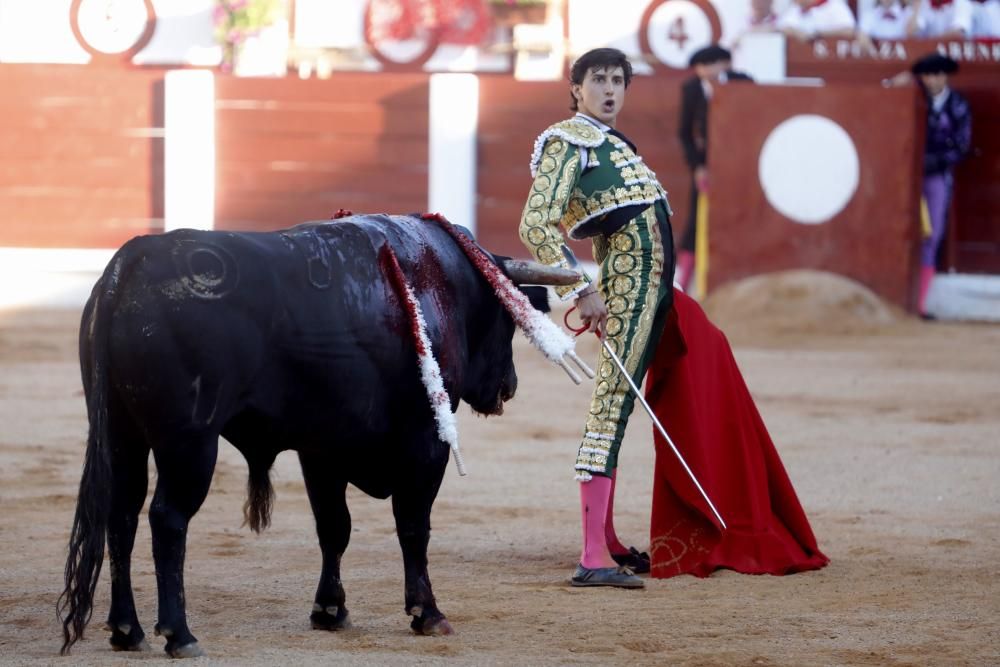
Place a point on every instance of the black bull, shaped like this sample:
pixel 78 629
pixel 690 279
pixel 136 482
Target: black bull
pixel 276 341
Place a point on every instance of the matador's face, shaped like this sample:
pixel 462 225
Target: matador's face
pixel 602 93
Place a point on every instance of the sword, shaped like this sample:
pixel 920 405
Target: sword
pixel 649 411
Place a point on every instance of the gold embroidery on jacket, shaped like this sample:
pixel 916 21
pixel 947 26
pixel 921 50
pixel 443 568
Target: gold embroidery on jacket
pixel 539 230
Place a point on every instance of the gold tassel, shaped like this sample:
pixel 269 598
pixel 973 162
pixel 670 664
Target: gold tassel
pixel 925 219
pixel 701 248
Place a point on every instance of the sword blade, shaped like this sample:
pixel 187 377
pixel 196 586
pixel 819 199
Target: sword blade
pixel 659 427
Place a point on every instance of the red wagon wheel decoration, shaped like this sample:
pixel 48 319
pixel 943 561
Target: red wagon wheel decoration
pixel 402 34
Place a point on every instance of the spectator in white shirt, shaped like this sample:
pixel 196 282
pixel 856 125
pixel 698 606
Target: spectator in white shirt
pixel 889 19
pixel 812 19
pixel 986 19
pixel 762 15
pixel 945 19
pixel 762 19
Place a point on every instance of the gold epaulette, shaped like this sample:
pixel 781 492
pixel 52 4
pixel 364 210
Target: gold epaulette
pixel 575 131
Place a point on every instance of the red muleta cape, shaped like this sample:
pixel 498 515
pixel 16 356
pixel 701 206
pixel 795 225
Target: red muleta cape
pixel 697 391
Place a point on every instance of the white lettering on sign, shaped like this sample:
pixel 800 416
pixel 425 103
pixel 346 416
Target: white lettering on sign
pixel 846 49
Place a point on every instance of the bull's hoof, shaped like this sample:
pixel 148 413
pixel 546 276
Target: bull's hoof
pixel 191 650
pixel 124 637
pixel 432 627
pixel 139 646
pixel 329 618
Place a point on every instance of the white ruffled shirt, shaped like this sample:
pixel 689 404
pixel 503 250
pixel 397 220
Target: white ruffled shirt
pixel 937 102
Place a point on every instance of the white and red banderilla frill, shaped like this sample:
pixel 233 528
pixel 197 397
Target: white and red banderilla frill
pixel 545 335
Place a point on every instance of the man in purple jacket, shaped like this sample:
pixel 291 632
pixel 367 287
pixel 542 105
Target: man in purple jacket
pixel 949 135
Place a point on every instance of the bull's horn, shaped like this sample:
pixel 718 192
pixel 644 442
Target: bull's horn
pixel 532 273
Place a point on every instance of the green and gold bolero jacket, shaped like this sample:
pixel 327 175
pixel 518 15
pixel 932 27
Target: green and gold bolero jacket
pixel 588 182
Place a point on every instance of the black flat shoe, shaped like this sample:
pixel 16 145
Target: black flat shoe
pixel 635 560
pixel 619 577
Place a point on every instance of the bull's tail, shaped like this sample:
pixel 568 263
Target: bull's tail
pixel 260 493
pixel 90 524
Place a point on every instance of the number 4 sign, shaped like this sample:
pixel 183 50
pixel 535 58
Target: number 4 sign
pixel 671 30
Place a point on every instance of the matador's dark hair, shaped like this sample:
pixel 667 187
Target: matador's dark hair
pixel 605 58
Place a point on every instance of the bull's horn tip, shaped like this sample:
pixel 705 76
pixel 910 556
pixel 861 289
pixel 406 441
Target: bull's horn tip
pixel 527 272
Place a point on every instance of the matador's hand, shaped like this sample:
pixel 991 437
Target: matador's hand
pixel 593 312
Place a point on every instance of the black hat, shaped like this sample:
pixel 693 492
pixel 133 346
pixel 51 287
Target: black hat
pixel 934 63
pixel 710 54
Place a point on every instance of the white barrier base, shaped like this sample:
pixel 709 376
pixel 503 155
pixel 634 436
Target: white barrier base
pixel 963 296
pixel 49 277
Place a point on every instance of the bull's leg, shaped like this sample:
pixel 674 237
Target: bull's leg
pixel 184 474
pixel 333 526
pixel 128 493
pixel 411 505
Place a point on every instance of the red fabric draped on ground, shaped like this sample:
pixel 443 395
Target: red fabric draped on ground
pixel 698 393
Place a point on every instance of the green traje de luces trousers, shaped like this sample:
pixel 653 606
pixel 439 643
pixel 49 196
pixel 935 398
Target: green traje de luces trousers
pixel 636 271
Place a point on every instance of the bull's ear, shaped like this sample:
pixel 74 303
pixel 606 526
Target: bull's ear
pixel 538 296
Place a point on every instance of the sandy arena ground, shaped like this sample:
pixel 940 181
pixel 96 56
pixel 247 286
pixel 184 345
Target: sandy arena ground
pixel 889 427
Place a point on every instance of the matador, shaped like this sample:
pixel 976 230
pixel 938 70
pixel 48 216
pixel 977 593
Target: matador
pixel 589 181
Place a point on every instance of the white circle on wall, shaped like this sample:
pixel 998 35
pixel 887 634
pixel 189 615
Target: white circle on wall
pixel 676 30
pixel 809 168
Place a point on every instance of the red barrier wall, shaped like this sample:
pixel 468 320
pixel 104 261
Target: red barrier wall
pixel 873 239
pixel 81 155
pixel 290 150
pixel 973 240
pixel 81 152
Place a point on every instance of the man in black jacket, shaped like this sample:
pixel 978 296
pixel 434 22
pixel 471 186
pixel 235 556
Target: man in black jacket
pixel 712 68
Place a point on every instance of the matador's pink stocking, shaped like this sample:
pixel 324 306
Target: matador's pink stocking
pixel 685 269
pixel 615 545
pixel 594 496
pixel 926 278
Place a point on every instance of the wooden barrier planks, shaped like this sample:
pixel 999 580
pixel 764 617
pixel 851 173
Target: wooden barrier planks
pixel 81 152
pixel 81 155
pixel 290 150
